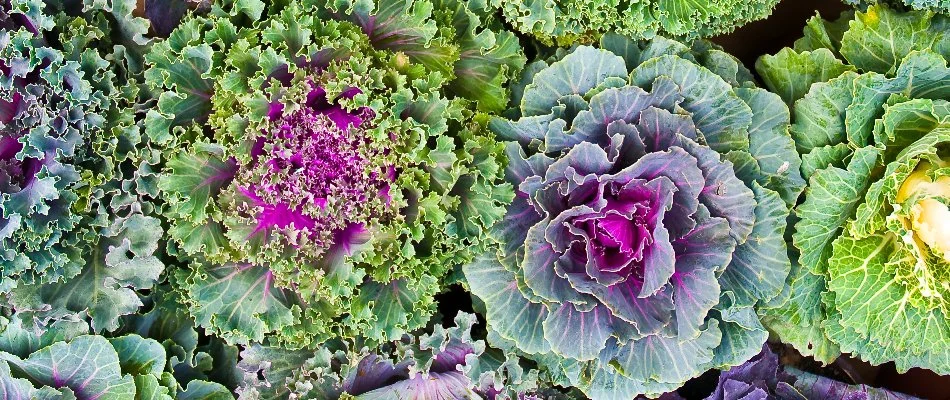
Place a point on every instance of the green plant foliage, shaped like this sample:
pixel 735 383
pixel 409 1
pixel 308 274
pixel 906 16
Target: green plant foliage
pixel 870 117
pixel 941 6
pixel 79 230
pixel 653 185
pixel 330 168
pixel 566 22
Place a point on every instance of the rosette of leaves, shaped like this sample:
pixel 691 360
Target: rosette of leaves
pixel 566 22
pixel 941 6
pixel 324 180
pixel 870 118
pixel 446 364
pixel 78 227
pixel 653 185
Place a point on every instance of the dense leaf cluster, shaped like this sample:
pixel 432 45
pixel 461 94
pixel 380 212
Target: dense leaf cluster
pixel 870 99
pixel 564 22
pixel 289 199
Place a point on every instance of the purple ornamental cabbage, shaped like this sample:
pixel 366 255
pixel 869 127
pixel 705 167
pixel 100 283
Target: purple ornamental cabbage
pixel 45 107
pixel 318 172
pixel 653 184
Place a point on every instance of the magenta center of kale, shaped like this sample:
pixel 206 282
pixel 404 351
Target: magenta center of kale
pixel 320 171
pixel 617 236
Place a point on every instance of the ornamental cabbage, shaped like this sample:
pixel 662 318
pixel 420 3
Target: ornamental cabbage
pixel 653 185
pixel 79 226
pixel 326 176
pixel 566 22
pixel 870 118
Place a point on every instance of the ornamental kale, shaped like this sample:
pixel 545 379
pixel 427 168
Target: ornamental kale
pixel 654 181
pixel 446 364
pixel 872 122
pixel 564 22
pixel 328 173
pixel 78 228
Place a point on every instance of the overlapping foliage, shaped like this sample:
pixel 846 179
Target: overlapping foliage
pixel 566 22
pixel 654 181
pixel 155 355
pixel 763 378
pixel 327 173
pixel 870 117
pixel 79 226
pixel 446 364
pixel 210 199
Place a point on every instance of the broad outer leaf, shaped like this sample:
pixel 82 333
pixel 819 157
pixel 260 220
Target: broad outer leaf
pixel 88 366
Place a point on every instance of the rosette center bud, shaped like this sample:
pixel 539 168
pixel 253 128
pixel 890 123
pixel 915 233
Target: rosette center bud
pixel 617 232
pixel 928 210
pixel 316 175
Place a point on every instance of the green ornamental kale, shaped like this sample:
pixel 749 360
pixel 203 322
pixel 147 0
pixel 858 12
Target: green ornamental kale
pixel 653 185
pixel 328 167
pixel 871 117
pixel 566 22
pixel 78 227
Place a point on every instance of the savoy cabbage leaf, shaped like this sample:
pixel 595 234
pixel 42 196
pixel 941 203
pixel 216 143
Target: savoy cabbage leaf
pixel 873 133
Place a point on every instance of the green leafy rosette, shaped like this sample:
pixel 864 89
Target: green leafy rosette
pixel 870 117
pixel 326 176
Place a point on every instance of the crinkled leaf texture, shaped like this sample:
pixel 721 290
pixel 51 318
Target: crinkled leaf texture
pixel 78 217
pixel 571 21
pixel 873 132
pixel 941 6
pixel 330 168
pixel 653 186
pixel 461 39
pixel 445 364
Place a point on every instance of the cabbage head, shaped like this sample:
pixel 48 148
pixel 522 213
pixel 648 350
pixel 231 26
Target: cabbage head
pixel 870 117
pixel 653 185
